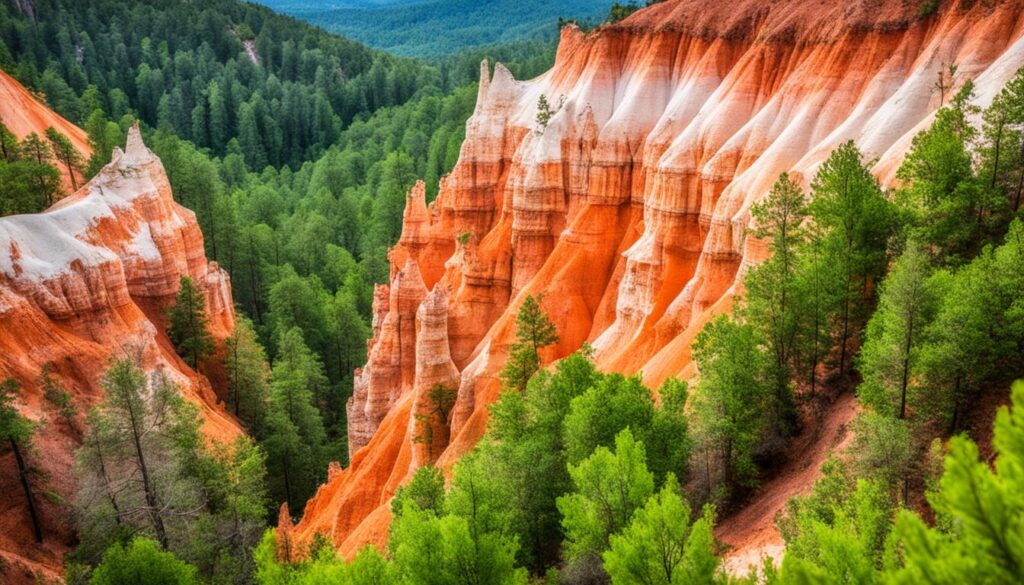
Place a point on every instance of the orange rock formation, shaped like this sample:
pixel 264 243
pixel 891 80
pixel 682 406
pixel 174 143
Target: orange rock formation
pixel 628 210
pixel 82 282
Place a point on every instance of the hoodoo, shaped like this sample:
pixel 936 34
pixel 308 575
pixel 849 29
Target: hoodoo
pixel 88 280
pixel 627 207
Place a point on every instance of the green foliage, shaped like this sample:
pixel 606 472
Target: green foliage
pixel 847 546
pixel 248 376
pixel 857 222
pixel 840 535
pixel 893 340
pixel 608 488
pixel 949 206
pixel 983 503
pixel 614 403
pixel 28 181
pixel 67 155
pixel 1002 150
pixel 620 11
pixel 927 8
pixel 660 546
pixel 16 433
pixel 144 468
pixel 544 112
pixel 534 331
pixel 13 425
pixel 424 492
pixel 188 325
pixel 285 104
pixel 142 561
pixel 436 28
pixel 729 404
pixel 438 550
pixel 295 441
pixel 775 300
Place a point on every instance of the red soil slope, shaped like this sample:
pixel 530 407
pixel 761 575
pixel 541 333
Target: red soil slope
pixel 23 114
pixel 82 282
pixel 629 210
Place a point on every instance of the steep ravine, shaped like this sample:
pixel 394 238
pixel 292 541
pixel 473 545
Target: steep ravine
pixel 628 210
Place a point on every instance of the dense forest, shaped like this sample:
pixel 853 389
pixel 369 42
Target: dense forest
pixel 303 239
pixel 910 297
pixel 435 28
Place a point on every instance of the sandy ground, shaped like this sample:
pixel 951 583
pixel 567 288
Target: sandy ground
pixel 750 532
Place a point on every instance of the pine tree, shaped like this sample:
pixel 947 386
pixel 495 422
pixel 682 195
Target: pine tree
pixel 772 287
pixel 66 154
pixel 104 135
pixel 894 336
pixel 730 404
pixel 188 325
pixel 45 179
pixel 295 432
pixel 248 376
pixel 533 332
pixel 544 112
pixel 16 431
pixel 8 144
pixel 848 205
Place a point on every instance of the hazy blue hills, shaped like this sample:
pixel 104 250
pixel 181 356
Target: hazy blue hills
pixel 438 27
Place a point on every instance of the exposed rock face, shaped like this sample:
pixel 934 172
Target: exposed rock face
pixel 628 210
pixel 23 114
pixel 85 281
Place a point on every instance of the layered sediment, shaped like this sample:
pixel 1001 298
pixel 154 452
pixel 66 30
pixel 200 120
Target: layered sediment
pixel 628 207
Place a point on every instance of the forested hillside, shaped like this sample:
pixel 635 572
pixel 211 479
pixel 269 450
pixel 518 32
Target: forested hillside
pixel 294 147
pixel 442 27
pixel 296 150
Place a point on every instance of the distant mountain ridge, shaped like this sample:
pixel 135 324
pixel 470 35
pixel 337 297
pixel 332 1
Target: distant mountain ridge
pixel 427 28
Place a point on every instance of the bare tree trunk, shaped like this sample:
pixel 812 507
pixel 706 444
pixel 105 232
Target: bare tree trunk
pixel 23 476
pixel 147 484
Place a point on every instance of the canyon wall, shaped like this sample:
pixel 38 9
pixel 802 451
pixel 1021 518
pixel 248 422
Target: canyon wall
pixel 628 209
pixel 83 282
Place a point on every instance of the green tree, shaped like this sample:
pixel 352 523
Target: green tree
pixel 16 431
pixel 544 112
pixel 37 174
pixel 248 376
pixel 431 550
pixel 295 440
pixel 772 286
pixel 892 344
pixel 845 547
pixel 137 423
pixel 730 407
pixel 948 204
pixel 8 144
pixel 534 331
pixel 104 135
pixel 598 415
pixel 661 546
pixel 981 501
pixel 608 488
pixel 425 492
pixel 66 154
pixel 848 205
pixel 188 324
pixel 142 561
